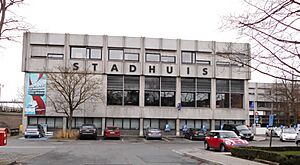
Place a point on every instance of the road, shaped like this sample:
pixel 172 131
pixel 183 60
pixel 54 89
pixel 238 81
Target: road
pixel 126 151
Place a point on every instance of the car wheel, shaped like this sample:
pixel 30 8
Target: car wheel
pixel 222 148
pixel 281 139
pixel 191 137
pixel 297 143
pixel 267 134
pixel 206 146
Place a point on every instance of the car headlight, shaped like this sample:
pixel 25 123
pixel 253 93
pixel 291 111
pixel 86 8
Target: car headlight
pixel 241 134
pixel 252 134
pixel 228 142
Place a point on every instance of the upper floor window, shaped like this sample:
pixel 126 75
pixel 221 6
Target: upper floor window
pixel 115 54
pixel 86 52
pixel 188 57
pixel 168 59
pixel 131 56
pixel 49 51
pixel 152 57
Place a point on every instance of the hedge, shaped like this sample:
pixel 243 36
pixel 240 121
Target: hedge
pixel 266 153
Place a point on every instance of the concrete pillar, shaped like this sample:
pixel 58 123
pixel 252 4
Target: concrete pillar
pixel 103 126
pixel 177 127
pixel 141 134
pixel 246 102
pixel 65 124
pixel 212 124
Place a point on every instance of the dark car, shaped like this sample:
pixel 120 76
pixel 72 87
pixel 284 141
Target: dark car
pixel 88 131
pixel 35 130
pixel 195 134
pixel 112 132
pixel 241 130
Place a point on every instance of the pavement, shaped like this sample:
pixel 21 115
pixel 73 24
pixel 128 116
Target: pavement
pixel 215 158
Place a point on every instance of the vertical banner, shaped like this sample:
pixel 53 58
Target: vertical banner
pixel 35 94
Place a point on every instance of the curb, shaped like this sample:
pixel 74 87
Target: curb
pixel 202 160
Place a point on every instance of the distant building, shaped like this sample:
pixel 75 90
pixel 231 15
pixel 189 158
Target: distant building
pixel 149 82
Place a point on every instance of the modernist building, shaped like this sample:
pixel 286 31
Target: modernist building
pixel 148 82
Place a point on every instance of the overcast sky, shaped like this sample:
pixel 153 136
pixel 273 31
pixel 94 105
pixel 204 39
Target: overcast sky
pixel 185 19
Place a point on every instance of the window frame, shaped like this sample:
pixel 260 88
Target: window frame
pixel 115 49
pixel 146 57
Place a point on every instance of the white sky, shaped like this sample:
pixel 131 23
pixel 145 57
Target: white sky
pixel 186 19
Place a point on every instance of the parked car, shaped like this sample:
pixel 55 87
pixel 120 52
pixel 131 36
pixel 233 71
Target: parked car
pixel 195 133
pixel 88 131
pixel 35 130
pixel 298 139
pixel 276 131
pixel 241 130
pixel 112 132
pixel 288 134
pixel 153 133
pixel 223 140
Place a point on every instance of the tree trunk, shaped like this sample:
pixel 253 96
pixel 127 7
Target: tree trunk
pixel 70 120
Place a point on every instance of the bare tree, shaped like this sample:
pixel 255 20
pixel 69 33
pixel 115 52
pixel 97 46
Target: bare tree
pixel 10 22
pixel 286 96
pixel 70 89
pixel 273 27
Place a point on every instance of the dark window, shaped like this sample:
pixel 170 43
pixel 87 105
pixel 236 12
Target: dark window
pixel 123 90
pixel 188 99
pixel 203 99
pixel 152 98
pixel 160 91
pixel 236 100
pixel 222 100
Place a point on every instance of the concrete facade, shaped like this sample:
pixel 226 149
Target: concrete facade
pixel 39 49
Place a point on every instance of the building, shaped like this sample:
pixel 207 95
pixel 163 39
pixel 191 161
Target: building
pixel 148 82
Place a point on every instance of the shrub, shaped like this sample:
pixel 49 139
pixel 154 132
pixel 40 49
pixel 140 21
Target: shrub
pixel 68 134
pixel 273 154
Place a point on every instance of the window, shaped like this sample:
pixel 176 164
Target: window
pixel 152 57
pixel 187 57
pixel 131 56
pixel 168 59
pixel 123 90
pixel 86 52
pixel 124 124
pixel 203 62
pixel 160 91
pixel 195 92
pixel 115 54
pixel 230 93
pixel 264 104
pixel 224 63
pixel 50 51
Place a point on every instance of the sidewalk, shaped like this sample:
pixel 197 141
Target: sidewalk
pixel 214 157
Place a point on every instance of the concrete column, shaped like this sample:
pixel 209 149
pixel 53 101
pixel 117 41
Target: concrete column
pixel 178 100
pixel 213 101
pixel 177 127
pixel 103 126
pixel 246 102
pixel 141 127
pixel 212 124
pixel 64 124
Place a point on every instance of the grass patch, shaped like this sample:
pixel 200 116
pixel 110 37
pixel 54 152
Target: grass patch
pixel 296 153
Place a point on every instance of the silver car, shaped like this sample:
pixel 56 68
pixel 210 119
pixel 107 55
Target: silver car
pixel 34 131
pixel 153 133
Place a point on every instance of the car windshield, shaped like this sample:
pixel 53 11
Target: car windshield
pixel 87 126
pixel 154 130
pixel 228 135
pixel 111 128
pixel 289 131
pixel 242 127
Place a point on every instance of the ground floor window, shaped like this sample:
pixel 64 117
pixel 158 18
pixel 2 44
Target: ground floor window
pixel 125 124
pixel 159 123
pixel 190 123
pixel 52 122
pixel 219 123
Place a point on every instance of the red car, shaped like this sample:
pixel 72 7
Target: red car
pixel 112 132
pixel 223 140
